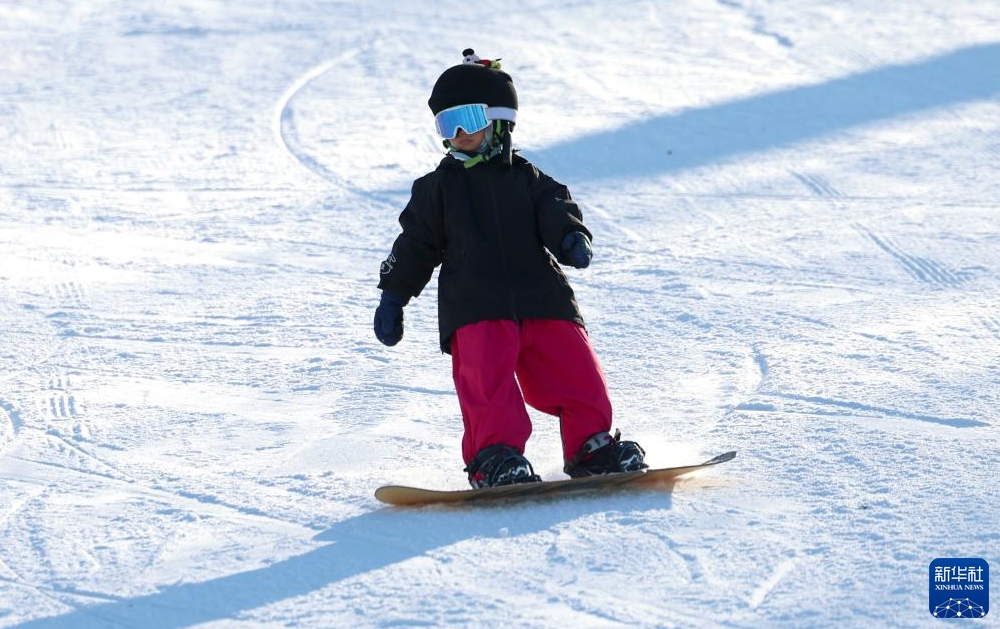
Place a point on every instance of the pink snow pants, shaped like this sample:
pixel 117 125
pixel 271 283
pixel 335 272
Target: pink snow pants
pixel 550 364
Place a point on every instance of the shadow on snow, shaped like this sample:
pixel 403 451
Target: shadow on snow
pixel 352 548
pixel 694 138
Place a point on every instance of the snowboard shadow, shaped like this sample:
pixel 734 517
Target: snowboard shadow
pixel 353 547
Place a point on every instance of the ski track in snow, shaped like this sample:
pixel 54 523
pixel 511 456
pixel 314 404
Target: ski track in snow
pixel 829 406
pixel 283 125
pixel 782 571
pixel 759 20
pixel 921 268
pixel 12 423
pixel 818 185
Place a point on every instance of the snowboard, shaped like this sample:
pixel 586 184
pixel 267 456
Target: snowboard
pixel 402 496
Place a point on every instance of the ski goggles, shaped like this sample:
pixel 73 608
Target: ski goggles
pixel 469 118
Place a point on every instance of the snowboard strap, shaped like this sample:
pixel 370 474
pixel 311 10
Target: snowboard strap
pixel 595 443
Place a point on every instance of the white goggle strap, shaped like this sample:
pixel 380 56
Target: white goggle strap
pixel 501 113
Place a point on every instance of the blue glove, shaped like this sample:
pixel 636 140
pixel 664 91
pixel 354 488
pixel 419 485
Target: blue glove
pixel 576 250
pixel 389 318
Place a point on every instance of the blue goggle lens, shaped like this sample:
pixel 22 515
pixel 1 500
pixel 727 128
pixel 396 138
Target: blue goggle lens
pixel 470 118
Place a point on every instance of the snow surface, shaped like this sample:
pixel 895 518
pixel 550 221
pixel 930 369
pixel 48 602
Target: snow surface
pixel 797 256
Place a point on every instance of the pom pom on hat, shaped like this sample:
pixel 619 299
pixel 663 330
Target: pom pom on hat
pixel 469 56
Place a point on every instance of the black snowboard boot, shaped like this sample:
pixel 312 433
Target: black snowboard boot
pixel 604 454
pixel 500 464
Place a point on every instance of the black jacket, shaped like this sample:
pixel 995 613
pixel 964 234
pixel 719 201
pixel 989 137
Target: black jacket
pixel 494 229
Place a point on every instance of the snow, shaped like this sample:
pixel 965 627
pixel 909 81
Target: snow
pixel 797 256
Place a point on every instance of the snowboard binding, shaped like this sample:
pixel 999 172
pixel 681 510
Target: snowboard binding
pixel 500 464
pixel 606 454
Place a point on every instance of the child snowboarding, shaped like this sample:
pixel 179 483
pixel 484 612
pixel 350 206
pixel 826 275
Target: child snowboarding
pixel 500 229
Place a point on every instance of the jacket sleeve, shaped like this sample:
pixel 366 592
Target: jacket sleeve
pixel 556 212
pixel 419 248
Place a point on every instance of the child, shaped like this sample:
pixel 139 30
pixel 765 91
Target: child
pixel 499 228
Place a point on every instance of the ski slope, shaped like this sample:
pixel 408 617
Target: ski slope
pixel 797 256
